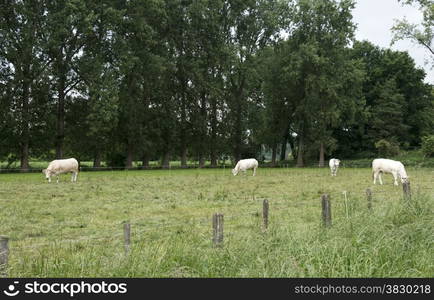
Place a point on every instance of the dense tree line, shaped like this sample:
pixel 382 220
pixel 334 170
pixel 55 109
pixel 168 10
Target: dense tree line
pixel 141 80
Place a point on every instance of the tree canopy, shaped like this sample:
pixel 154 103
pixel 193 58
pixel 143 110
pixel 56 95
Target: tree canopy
pixel 124 82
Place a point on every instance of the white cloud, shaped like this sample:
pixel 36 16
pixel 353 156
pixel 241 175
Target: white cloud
pixel 375 18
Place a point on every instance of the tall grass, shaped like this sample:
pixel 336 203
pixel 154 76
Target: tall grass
pixel 75 230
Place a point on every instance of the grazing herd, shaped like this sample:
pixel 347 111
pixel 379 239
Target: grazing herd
pixel 379 166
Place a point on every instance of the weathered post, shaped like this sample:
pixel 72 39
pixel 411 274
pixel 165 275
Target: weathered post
pixel 326 210
pixel 127 237
pixel 406 190
pixel 369 198
pixel 265 208
pixel 4 256
pixel 217 225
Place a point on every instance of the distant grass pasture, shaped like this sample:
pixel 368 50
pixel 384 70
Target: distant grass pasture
pixel 76 230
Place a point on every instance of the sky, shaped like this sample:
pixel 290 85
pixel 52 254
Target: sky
pixel 375 18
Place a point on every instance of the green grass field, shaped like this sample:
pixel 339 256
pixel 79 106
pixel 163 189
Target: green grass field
pixel 76 230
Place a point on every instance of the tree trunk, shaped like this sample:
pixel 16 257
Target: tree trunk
pixel 213 158
pixel 24 160
pixel 292 145
pixel 201 161
pixel 300 161
pixel 184 156
pixel 60 134
pixel 97 160
pixel 183 129
pixel 274 155
pixel 165 162
pixel 321 156
pixel 130 156
pixel 145 161
pixel 238 136
pixel 213 141
pixel 203 130
pixel 25 134
pixel 283 147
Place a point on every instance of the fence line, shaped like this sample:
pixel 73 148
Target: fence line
pixel 217 225
pixel 201 221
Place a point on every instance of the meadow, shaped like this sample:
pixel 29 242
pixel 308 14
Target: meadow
pixel 76 230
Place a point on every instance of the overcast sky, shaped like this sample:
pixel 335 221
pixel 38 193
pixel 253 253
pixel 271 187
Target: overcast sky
pixel 375 18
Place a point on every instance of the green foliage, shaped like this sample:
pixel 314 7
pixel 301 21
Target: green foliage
pixel 116 159
pixel 395 104
pixel 428 145
pixel 387 148
pixel 199 80
pixel 422 33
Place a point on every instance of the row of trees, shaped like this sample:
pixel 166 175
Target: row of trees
pixel 122 81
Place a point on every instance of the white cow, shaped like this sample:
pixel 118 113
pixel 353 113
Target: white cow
pixel 60 166
pixel 334 165
pixel 396 168
pixel 245 164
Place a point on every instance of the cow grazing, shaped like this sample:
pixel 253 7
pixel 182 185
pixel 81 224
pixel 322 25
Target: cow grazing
pixel 334 165
pixel 60 166
pixel 396 168
pixel 245 164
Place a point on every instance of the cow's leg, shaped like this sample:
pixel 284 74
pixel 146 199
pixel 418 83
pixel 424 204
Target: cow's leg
pixel 395 181
pixel 379 178
pixel 75 176
pixel 375 177
pixel 49 179
pixel 254 171
pixel 72 176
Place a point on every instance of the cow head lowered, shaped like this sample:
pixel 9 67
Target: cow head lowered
pixel 47 173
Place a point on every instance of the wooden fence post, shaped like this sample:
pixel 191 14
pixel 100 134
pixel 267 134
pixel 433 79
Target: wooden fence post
pixel 406 190
pixel 127 237
pixel 217 225
pixel 369 198
pixel 4 256
pixel 326 210
pixel 265 207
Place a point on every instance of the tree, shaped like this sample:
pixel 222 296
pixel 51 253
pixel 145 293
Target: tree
pixel 317 70
pixel 392 88
pixel 207 54
pixel 64 39
pixel 6 117
pixel 421 34
pixel 428 145
pixel 92 118
pixel 22 25
pixel 139 41
pixel 279 107
pixel 253 25
pixel 387 112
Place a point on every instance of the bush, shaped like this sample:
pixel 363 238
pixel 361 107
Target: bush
pixel 386 148
pixel 116 160
pixel 428 145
